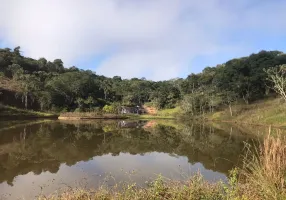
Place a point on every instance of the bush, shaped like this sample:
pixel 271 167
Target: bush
pixel 113 108
pixel 109 109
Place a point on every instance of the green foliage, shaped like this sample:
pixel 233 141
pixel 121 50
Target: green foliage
pixel 47 85
pixel 8 111
pixel 15 70
pixel 246 76
pixel 232 190
pixel 44 99
pixel 113 108
pixel 109 109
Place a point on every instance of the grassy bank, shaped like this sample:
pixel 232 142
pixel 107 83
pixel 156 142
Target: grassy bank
pixel 261 177
pixel 89 115
pixel 147 117
pixel 161 114
pixel 8 112
pixel 267 112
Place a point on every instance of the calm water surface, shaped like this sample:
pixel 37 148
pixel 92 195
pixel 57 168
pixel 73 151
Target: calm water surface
pixel 40 157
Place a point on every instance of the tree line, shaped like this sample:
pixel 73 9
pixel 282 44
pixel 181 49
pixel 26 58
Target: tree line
pixel 52 86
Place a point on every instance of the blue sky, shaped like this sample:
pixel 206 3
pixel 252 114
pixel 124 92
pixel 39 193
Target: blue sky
pixel 156 39
pixel 267 42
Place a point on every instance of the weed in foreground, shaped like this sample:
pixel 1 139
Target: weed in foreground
pixel 265 168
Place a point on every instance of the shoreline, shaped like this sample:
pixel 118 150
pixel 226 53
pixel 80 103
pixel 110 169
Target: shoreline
pixel 26 117
pixel 246 123
pixel 89 118
pixel 140 117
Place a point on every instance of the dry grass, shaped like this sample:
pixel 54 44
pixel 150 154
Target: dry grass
pixel 265 168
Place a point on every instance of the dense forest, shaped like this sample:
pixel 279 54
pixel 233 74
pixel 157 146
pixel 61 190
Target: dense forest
pixel 51 86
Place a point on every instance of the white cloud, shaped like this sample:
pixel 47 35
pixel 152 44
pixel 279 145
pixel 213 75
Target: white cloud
pixel 152 38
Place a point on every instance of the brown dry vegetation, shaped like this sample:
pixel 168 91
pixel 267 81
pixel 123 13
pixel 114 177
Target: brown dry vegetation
pixel 265 169
pixel 9 84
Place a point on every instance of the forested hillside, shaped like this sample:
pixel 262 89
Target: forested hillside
pixel 49 85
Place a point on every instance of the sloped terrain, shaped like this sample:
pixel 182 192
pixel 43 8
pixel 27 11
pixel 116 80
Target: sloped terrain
pixel 266 112
pixel 7 112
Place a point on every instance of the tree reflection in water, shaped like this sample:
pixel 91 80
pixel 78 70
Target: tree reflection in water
pixel 43 147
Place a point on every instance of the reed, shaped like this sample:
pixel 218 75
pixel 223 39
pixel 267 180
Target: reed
pixel 265 168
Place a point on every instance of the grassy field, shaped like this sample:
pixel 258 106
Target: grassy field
pixel 261 177
pixel 161 114
pixel 266 112
pixel 12 112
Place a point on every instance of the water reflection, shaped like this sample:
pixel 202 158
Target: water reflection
pixel 65 152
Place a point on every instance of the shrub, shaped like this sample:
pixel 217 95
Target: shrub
pixel 113 108
pixel 108 109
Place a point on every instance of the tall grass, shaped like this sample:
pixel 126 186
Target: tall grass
pixel 264 168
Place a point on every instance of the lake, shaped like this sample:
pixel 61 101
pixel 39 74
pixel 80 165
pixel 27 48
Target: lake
pixel 39 157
